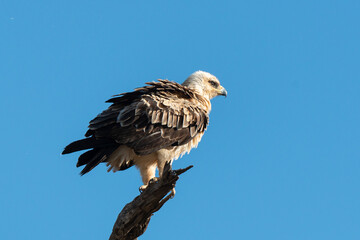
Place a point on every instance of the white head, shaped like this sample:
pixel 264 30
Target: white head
pixel 205 84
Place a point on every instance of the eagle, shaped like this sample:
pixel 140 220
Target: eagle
pixel 150 126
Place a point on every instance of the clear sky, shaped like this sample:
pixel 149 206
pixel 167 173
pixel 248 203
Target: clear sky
pixel 279 161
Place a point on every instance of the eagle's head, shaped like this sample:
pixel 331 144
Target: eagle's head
pixel 205 84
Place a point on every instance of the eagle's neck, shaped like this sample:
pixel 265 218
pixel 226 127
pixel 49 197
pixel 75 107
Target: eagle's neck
pixel 200 97
pixel 195 85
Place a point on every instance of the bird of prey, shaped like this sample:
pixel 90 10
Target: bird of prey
pixel 150 126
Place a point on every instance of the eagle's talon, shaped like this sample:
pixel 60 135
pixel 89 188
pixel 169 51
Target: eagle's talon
pixel 142 188
pixel 172 194
pixel 153 180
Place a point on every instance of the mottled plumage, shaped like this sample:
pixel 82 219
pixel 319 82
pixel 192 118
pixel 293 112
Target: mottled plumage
pixel 149 126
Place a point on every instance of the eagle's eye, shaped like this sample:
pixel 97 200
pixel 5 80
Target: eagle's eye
pixel 214 84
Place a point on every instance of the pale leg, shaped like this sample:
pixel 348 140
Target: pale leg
pixel 147 172
pixel 161 165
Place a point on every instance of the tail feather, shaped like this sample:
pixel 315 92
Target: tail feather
pixel 99 150
pixel 93 158
pixel 86 157
pixel 93 162
pixel 87 143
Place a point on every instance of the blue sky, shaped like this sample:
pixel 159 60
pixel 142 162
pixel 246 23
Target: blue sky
pixel 280 159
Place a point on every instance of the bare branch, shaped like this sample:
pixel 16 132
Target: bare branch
pixel 133 220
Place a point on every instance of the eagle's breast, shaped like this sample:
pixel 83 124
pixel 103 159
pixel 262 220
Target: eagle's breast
pixel 174 153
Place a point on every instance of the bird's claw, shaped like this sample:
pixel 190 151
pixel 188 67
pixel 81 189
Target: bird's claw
pixel 172 194
pixel 153 180
pixel 142 188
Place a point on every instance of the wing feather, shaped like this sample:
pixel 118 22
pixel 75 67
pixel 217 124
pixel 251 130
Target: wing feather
pixel 160 115
pixel 164 118
pixel 170 120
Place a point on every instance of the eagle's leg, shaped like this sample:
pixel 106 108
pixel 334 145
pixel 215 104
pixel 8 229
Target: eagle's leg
pixel 147 172
pixel 161 165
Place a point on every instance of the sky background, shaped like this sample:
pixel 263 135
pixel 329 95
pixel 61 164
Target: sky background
pixel 280 158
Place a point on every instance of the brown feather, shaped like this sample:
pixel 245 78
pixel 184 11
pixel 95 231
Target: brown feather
pixel 170 120
pixel 159 115
pixel 164 118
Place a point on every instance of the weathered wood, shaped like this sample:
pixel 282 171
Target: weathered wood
pixel 134 219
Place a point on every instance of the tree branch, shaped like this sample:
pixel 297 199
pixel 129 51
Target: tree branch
pixel 133 220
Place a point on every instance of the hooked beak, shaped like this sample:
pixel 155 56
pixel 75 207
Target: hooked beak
pixel 223 92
